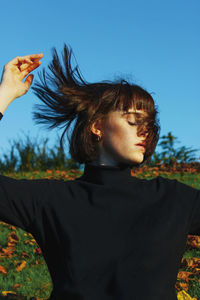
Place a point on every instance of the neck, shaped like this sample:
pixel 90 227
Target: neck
pixel 106 159
pixel 111 164
pixel 97 163
pixel 106 174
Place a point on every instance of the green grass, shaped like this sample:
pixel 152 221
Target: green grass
pixel 34 279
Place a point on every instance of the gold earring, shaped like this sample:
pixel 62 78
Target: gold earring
pixel 98 138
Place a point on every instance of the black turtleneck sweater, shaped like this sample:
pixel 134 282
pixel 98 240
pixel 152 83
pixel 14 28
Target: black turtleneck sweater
pixel 106 235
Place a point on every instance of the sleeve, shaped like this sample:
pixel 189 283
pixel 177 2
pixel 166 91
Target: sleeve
pixel 189 203
pixel 20 200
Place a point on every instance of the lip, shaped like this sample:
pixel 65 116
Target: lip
pixel 142 146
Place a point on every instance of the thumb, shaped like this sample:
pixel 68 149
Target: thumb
pixel 28 81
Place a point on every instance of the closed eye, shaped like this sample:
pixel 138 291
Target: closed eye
pixel 132 124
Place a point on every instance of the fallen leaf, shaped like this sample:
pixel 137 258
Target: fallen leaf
pixel 21 266
pixel 184 296
pixel 3 270
pixel 184 275
pixel 5 293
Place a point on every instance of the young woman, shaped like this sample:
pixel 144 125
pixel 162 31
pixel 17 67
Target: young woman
pixel 107 234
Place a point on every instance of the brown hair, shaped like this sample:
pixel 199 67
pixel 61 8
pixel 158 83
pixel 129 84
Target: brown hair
pixel 68 97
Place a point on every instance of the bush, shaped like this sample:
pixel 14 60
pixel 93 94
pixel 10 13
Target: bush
pixel 32 157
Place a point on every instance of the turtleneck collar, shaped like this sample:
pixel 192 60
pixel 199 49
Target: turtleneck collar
pixel 102 174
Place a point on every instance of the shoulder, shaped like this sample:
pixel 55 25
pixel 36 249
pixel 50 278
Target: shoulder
pixel 157 182
pixel 41 189
pixel 164 184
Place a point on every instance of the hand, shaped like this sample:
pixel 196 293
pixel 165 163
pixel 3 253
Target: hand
pixel 15 71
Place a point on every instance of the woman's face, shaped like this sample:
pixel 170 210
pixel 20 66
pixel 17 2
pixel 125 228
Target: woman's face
pixel 119 139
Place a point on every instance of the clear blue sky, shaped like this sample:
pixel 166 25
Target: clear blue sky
pixel 154 43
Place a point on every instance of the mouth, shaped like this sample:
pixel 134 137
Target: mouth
pixel 142 146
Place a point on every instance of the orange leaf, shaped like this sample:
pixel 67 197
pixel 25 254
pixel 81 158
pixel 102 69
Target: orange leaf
pixel 16 285
pixel 21 266
pixel 193 241
pixel 3 270
pixel 38 251
pixel 24 254
pixel 193 262
pixel 12 227
pixel 184 275
pixel 184 286
pixel 5 293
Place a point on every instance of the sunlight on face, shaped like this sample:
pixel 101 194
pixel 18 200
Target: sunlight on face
pixel 119 139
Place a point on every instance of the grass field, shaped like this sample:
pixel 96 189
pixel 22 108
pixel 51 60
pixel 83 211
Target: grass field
pixel 24 273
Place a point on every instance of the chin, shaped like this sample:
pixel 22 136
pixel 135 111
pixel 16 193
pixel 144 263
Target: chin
pixel 134 161
pixel 138 158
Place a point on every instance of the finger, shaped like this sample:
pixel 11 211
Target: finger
pixel 36 59
pixel 30 68
pixel 33 56
pixel 30 61
pixel 28 58
pixel 28 81
pixel 26 63
pixel 24 67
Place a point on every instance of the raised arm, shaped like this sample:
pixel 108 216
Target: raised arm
pixel 19 199
pixel 14 72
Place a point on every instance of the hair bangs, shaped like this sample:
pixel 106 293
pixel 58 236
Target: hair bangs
pixel 131 96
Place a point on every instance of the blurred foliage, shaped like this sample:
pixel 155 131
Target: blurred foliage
pixel 35 156
pixel 170 154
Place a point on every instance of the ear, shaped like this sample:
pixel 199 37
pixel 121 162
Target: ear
pixel 97 127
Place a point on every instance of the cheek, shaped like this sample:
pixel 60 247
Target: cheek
pixel 119 135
